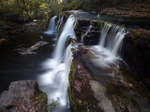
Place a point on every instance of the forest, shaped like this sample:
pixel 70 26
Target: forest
pixel 74 55
pixel 16 12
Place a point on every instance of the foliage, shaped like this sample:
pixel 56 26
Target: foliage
pixel 29 9
pixel 22 11
pixel 53 104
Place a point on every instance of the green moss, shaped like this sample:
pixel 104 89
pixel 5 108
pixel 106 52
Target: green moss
pixel 97 24
pixel 82 100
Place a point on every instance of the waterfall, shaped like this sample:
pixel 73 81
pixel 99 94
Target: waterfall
pixel 111 38
pixel 68 31
pixel 59 66
pixel 59 23
pixel 52 27
pixel 64 83
pixel 62 74
pixel 87 31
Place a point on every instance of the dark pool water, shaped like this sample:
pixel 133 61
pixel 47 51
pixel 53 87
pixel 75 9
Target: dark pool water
pixel 15 66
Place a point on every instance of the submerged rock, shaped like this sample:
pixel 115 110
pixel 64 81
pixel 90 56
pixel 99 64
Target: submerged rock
pixel 23 96
pixel 25 51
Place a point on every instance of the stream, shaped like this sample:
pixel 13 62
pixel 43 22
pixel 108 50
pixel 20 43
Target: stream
pixel 45 58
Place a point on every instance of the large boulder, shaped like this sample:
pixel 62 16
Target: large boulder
pixel 23 96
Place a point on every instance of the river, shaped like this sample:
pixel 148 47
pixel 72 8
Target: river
pixel 36 56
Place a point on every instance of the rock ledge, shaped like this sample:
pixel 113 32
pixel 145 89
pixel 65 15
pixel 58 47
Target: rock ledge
pixel 23 96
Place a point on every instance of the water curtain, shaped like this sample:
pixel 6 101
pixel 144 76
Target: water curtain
pixel 111 38
pixel 51 27
pixel 68 31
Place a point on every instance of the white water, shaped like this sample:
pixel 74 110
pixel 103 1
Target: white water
pixel 59 67
pixel 87 31
pixel 52 27
pixel 110 45
pixel 111 38
pixel 59 23
pixel 68 31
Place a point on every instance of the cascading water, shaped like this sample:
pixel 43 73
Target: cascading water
pixel 64 83
pixel 104 33
pixel 59 66
pixel 111 38
pixel 87 31
pixel 110 44
pixel 68 30
pixel 59 23
pixel 52 27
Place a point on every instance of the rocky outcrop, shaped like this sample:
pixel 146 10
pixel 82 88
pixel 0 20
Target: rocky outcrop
pixel 88 32
pixel 95 87
pixel 81 95
pixel 100 94
pixel 23 96
pixel 86 93
pixel 99 89
pixel 136 53
pixel 25 51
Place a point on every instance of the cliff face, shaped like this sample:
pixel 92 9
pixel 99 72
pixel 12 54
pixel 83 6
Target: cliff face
pixel 23 96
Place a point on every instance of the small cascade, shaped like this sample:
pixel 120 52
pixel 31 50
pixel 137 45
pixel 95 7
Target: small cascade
pixel 111 38
pixel 87 31
pixel 68 31
pixel 59 66
pixel 52 27
pixel 63 70
pixel 64 82
pixel 59 23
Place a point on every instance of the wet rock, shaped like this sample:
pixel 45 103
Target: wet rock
pixel 92 37
pixel 136 53
pixel 80 92
pixel 25 51
pixel 92 89
pixel 23 96
pixel 99 94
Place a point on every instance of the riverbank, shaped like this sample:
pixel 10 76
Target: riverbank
pixel 132 10
pixel 7 31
